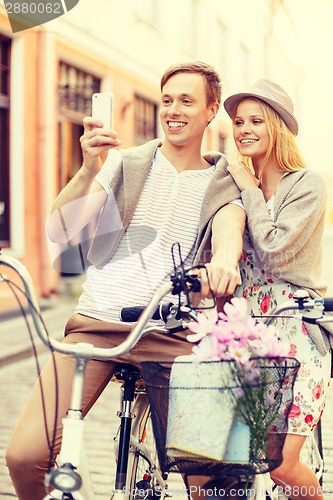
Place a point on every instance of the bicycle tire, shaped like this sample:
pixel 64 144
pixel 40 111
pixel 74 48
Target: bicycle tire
pixel 139 485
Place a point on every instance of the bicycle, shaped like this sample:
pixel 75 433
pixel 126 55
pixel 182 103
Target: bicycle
pixel 65 481
pixel 131 445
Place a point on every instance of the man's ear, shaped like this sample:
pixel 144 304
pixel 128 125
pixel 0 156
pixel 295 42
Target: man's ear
pixel 214 107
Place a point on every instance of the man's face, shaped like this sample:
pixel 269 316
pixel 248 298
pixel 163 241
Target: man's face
pixel 184 112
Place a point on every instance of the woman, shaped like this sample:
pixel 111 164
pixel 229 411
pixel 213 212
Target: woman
pixel 285 207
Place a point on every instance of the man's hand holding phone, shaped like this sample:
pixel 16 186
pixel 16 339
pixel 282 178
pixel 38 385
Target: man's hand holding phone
pixel 98 137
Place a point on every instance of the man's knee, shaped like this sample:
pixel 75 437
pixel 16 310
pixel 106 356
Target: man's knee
pixel 22 461
pixel 16 460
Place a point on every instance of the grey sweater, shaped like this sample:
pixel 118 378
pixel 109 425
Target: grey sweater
pixel 126 189
pixel 291 244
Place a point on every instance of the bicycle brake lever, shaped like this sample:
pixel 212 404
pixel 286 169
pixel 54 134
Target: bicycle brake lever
pixel 189 313
pixel 175 319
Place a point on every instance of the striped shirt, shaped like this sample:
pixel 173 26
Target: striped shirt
pixel 167 212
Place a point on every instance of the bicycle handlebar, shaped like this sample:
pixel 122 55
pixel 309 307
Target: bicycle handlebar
pixel 132 314
pixel 176 284
pixel 328 304
pixel 311 310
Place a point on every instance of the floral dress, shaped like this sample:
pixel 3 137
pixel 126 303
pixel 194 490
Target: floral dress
pixel 263 292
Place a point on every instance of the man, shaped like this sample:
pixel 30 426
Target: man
pixel 148 198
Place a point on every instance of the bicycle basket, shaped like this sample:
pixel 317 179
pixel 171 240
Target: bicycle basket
pixel 211 418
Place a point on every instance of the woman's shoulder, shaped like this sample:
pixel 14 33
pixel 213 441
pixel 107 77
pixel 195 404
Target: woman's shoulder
pixel 311 173
pixel 306 186
pixel 306 175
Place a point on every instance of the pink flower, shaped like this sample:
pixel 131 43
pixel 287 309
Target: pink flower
pixel 207 349
pixel 235 310
pixel 272 347
pixel 292 351
pixel 265 304
pixel 235 335
pixel 224 332
pixel 305 330
pixel 205 325
pixel 238 392
pixel 295 411
pixel 308 419
pixel 236 353
pixel 316 391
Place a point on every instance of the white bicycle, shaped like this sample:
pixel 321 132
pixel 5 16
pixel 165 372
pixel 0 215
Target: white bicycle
pixel 138 472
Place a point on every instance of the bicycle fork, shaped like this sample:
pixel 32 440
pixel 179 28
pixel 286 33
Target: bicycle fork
pixel 65 480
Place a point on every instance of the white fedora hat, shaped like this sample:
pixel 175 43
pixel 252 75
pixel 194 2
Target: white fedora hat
pixel 271 94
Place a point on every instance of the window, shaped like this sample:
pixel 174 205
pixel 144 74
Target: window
pixel 5 46
pixel 145 120
pixel 76 88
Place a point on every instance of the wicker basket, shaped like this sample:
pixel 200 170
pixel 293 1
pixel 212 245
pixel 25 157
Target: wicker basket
pixel 198 425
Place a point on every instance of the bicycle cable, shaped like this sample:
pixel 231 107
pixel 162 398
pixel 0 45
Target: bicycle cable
pixel 14 287
pixel 180 279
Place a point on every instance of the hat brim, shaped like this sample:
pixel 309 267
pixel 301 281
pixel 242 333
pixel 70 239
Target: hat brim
pixel 232 102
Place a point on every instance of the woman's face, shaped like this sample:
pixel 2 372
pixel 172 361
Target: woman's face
pixel 250 131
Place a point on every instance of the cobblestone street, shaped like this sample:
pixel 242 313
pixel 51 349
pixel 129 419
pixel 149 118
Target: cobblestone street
pixel 16 381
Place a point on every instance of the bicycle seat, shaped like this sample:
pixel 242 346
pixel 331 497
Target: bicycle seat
pixel 126 371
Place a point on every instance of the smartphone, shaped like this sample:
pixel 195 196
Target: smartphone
pixel 102 107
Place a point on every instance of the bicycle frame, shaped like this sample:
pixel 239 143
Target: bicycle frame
pixel 73 423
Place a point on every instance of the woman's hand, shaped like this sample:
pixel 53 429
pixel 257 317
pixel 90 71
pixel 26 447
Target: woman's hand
pixel 242 176
pixel 95 143
pixel 220 277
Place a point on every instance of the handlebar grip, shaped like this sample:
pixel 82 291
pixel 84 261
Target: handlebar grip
pixel 130 314
pixel 328 304
pixel 133 313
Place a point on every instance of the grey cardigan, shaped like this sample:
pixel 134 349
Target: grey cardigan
pixel 125 192
pixel 291 244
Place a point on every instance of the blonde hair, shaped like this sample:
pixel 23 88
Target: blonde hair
pixel 282 146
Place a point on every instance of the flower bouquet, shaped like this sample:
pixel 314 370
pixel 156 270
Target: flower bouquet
pixel 248 367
